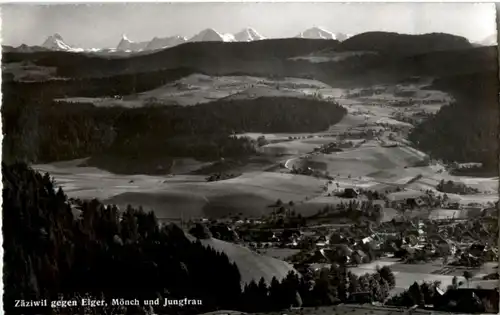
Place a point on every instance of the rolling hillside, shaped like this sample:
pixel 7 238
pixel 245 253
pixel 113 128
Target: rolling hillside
pixel 252 266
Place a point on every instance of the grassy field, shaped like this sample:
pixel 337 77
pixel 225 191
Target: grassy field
pixel 279 253
pixel 295 147
pixel 362 161
pixel 199 89
pixel 252 265
pixel 185 195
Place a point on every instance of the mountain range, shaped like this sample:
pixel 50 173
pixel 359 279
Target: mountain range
pixel 126 46
pixel 56 42
pixel 320 33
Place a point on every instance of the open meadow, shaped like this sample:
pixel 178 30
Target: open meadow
pixel 367 163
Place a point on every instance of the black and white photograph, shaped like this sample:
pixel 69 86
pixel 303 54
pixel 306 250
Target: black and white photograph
pixel 231 158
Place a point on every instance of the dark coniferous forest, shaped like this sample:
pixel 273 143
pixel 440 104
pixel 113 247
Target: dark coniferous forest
pixel 467 129
pixel 51 132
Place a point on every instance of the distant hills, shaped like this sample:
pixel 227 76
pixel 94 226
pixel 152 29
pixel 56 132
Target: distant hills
pixel 208 52
pixel 389 42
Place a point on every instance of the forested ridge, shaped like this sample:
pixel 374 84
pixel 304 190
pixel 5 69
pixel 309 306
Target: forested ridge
pixel 124 84
pixel 52 251
pixel 55 131
pixel 466 130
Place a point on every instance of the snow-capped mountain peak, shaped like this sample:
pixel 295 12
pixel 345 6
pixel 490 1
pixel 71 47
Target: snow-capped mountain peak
pixel 320 33
pixel 248 35
pixel 211 35
pixel 126 44
pixel 56 42
pixel 160 43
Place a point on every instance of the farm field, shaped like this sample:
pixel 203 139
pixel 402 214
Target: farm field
pixel 199 89
pixel 362 161
pixel 368 164
pixel 184 195
pixel 279 253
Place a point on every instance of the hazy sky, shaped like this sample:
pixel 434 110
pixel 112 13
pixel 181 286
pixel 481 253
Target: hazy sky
pixel 101 25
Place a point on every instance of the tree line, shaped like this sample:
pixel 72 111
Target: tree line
pixel 312 289
pixel 469 132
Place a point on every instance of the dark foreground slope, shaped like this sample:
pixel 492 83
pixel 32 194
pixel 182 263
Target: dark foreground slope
pixel 50 252
pixel 53 251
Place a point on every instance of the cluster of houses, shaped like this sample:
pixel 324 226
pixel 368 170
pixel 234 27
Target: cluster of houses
pixel 407 240
pixel 334 147
pixel 366 92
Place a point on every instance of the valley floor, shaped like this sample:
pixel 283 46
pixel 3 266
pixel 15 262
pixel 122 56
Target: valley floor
pixel 380 158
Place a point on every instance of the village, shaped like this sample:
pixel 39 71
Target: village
pixel 460 255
